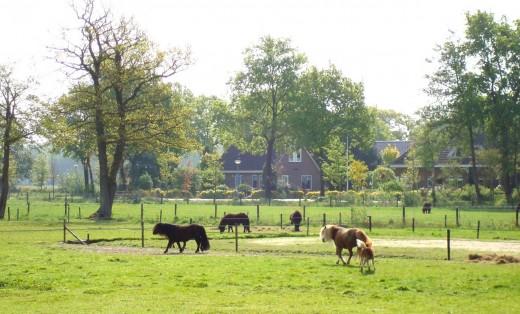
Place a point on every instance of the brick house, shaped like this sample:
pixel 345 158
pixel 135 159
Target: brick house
pixel 295 171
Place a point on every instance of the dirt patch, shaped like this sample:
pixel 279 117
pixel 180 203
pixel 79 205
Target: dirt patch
pixel 493 258
pixel 471 245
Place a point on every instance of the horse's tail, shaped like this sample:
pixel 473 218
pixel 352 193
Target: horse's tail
pixel 204 242
pixel 361 235
pixel 361 244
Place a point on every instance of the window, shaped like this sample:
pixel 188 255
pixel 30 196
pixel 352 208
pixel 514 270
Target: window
pixel 238 180
pixel 256 181
pixel 285 181
pixel 307 182
pixel 296 156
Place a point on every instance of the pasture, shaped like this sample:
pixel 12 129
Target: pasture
pixel 275 270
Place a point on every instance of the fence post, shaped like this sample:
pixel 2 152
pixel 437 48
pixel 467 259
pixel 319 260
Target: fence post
pixel 404 215
pixel 413 224
pixel 175 211
pixel 65 209
pixel 27 197
pixel 457 216
pixel 236 237
pixel 281 221
pixel 88 238
pixel 8 213
pixel 215 210
pixel 308 221
pixel 370 223
pixel 257 214
pixel 162 197
pixel 68 213
pixel 28 208
pixel 160 216
pixel 79 212
pixel 191 221
pixel 64 230
pixel 142 225
pixel 445 221
pixel 517 210
pixel 448 238
pixel 340 218
pixel 299 201
pixel 49 196
pixel 324 219
pixel 17 214
pixel 478 229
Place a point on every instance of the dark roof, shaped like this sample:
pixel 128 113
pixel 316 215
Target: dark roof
pixel 402 146
pixel 247 161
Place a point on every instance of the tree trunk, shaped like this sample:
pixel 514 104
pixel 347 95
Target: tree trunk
pixel 5 177
pixel 474 173
pixel 122 176
pixel 4 182
pixel 268 170
pixel 92 190
pixel 434 196
pixel 106 198
pixel 85 175
pixel 320 160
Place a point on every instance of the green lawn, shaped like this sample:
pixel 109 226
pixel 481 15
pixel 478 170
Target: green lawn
pixel 41 275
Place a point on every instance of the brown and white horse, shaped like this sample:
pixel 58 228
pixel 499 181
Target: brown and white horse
pixel 344 239
pixel 365 255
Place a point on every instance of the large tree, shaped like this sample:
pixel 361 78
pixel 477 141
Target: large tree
pixel 458 103
pixel 263 99
pixel 330 105
pixel 18 120
pixel 127 104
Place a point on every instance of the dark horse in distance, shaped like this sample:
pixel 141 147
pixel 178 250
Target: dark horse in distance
pixel 296 220
pixel 230 220
pixel 177 234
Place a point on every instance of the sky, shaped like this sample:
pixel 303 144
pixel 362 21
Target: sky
pixel 383 44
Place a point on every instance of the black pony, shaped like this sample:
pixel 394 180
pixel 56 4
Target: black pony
pixel 296 220
pixel 427 208
pixel 230 220
pixel 176 233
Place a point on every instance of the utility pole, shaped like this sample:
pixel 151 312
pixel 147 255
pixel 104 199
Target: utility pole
pixel 347 164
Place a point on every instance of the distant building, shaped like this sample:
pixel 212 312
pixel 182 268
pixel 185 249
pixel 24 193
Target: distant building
pixel 295 171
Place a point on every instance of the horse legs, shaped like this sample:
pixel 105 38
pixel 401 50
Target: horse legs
pixel 183 246
pixel 170 243
pixel 198 245
pixel 338 253
pixel 349 255
pixel 230 228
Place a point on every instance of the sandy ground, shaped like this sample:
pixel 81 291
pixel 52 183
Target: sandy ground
pixel 499 247
pixel 471 245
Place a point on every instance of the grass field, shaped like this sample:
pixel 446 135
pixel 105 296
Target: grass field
pixel 42 275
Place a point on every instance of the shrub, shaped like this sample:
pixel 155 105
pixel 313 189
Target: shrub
pixel 208 194
pixel 244 189
pixel 296 194
pixel 382 175
pixel 313 195
pixel 392 186
pixel 412 199
pixel 145 181
pixel 257 194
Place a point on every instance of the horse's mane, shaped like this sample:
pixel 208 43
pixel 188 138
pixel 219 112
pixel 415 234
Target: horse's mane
pixel 163 229
pixel 328 232
pixel 361 235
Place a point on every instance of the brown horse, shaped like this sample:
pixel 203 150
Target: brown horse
pixel 296 220
pixel 366 255
pixel 230 220
pixel 177 234
pixel 344 239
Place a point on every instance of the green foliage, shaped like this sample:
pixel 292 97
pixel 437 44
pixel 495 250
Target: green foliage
pixel 335 168
pixel 412 199
pixel 392 186
pixel 245 189
pixel 382 175
pixel 389 154
pixel 40 170
pixel 145 181
pixel 358 174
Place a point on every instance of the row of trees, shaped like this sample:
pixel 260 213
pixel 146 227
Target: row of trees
pixel 477 87
pixel 121 110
